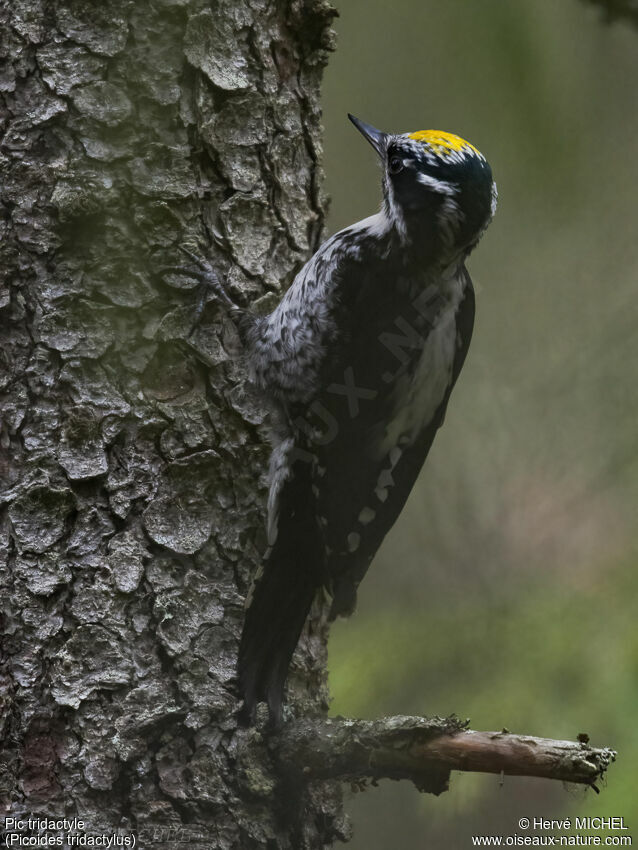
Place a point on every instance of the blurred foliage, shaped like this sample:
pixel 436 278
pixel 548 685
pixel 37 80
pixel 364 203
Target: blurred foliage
pixel 617 9
pixel 506 592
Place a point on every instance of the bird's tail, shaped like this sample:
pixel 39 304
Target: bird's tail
pixel 281 600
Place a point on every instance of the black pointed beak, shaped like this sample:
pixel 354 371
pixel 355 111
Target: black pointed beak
pixel 377 138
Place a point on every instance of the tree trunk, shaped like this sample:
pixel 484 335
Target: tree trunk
pixel 132 453
pixel 132 456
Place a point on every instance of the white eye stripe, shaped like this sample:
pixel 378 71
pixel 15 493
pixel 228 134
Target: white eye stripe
pixel 439 186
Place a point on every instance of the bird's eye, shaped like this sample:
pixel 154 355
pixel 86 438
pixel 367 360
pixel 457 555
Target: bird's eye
pixel 395 164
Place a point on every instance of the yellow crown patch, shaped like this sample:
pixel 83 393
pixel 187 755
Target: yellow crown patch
pixel 443 144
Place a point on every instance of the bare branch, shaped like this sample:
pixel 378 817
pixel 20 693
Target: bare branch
pixel 425 750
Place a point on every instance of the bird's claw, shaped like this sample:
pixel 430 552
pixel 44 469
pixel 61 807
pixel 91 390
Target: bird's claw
pixel 208 281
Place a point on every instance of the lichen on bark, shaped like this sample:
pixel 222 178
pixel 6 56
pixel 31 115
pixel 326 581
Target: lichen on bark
pixel 132 455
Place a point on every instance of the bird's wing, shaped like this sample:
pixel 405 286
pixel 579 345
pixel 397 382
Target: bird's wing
pixel 366 469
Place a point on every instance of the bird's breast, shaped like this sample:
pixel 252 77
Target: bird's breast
pixel 418 391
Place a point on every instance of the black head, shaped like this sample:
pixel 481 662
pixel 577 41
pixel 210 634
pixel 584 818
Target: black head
pixel 435 185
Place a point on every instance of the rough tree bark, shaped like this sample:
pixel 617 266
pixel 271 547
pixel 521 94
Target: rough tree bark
pixel 132 512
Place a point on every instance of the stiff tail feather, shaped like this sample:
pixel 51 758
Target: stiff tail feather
pixel 292 573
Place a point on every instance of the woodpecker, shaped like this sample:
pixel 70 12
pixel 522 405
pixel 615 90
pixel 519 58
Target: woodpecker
pixel 357 364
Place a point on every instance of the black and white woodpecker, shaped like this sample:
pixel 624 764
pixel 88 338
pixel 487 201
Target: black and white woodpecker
pixel 357 363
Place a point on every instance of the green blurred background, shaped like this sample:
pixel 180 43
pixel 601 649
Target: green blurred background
pixel 507 590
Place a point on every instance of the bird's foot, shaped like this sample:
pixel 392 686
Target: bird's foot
pixel 209 281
